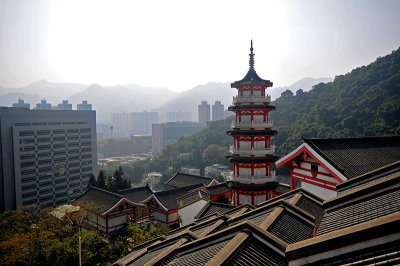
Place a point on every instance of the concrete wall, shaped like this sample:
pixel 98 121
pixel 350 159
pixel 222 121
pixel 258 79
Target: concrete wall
pixel 187 213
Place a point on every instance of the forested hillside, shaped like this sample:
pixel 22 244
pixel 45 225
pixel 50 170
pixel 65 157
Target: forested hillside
pixel 365 102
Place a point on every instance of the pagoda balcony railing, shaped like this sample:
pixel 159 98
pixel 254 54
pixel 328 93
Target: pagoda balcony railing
pixel 248 179
pixel 252 124
pixel 253 151
pixel 252 99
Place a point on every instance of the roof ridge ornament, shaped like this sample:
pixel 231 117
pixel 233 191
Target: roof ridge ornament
pixel 251 61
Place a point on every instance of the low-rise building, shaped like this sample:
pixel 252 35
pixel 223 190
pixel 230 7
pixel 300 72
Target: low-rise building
pixel 191 170
pixel 108 211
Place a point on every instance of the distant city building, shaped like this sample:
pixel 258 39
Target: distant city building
pixel 168 133
pixel 218 111
pixel 47 157
pixel 64 105
pixel 217 170
pixel 178 116
pixel 84 106
pixel 21 104
pixel 228 113
pixel 122 124
pixel 43 105
pixel 204 112
pixel 191 170
pixel 142 121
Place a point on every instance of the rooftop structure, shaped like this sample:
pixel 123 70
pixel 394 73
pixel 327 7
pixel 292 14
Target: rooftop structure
pixel 252 152
pixel 21 104
pixel 322 164
pixel 84 106
pixel 359 226
pixel 43 105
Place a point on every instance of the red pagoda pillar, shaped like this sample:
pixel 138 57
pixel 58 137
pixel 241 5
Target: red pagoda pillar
pixel 252 152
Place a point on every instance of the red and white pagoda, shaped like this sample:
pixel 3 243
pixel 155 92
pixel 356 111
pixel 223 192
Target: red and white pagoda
pixel 252 152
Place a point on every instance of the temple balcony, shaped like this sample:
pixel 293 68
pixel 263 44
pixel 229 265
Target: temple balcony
pixel 252 99
pixel 252 124
pixel 248 179
pixel 253 151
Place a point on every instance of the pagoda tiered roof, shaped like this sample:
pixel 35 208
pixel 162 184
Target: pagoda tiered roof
pixel 251 106
pixel 241 159
pixel 252 132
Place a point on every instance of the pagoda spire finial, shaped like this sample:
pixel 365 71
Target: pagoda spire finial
pixel 251 61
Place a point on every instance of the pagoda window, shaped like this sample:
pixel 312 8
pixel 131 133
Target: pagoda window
pixel 259 172
pixel 258 118
pixel 259 145
pixel 246 94
pixel 246 119
pixel 257 93
pixel 244 145
pixel 245 172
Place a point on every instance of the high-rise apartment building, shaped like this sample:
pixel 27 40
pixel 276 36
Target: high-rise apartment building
pixel 46 156
pixel 178 116
pixel 204 112
pixel 122 124
pixel 218 111
pixel 142 122
pixel 21 104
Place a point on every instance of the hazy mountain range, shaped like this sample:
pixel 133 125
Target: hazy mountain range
pixel 131 97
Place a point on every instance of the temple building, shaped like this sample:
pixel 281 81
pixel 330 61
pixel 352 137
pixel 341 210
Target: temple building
pixel 252 152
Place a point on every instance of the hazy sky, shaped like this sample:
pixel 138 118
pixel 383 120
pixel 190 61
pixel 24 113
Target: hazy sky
pixel 181 44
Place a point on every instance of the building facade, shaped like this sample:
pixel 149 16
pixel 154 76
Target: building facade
pixel 122 124
pixel 204 112
pixel 168 133
pixel 178 116
pixel 142 122
pixel 46 156
pixel 218 111
pixel 252 152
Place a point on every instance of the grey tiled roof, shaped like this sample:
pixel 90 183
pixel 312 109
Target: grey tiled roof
pixel 356 156
pixel 137 194
pixel 214 207
pixel 386 254
pixel 150 255
pixel 218 189
pixel 168 197
pixel 102 199
pixel 290 228
pixel 199 255
pixel 369 178
pixel 311 207
pixel 283 188
pixel 363 210
pixel 183 179
pixel 254 252
pixel 256 218
pixel 193 196
pixel 251 77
